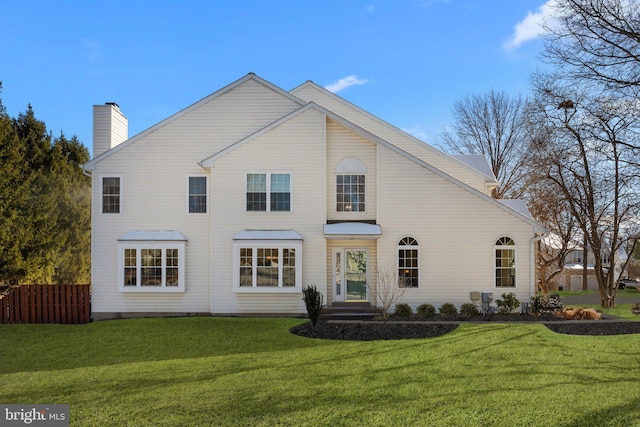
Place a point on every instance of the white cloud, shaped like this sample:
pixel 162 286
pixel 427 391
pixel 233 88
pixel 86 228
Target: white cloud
pixel 417 131
pixel 530 28
pixel 344 83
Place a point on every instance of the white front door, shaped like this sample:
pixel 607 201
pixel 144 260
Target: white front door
pixel 350 274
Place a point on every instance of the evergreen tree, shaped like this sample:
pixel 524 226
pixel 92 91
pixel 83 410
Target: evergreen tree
pixel 45 206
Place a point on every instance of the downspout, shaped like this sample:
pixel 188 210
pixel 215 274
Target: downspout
pixel 534 240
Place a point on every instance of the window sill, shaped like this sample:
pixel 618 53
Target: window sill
pixel 267 290
pixel 151 289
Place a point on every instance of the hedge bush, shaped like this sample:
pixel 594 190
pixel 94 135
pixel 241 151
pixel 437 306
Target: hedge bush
pixel 448 310
pixel 469 309
pixel 403 310
pixel 426 310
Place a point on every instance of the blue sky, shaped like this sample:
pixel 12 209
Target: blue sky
pixel 405 61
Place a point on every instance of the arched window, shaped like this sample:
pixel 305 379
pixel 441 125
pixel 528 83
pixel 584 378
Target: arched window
pixel 505 249
pixel 408 265
pixel 350 185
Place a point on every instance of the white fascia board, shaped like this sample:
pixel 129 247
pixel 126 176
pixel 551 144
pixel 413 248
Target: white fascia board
pixel 91 164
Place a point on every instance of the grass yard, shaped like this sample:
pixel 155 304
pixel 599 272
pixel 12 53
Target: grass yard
pixel 252 372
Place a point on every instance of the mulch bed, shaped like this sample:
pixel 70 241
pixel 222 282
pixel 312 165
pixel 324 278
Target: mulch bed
pixel 595 328
pixel 372 331
pixel 380 330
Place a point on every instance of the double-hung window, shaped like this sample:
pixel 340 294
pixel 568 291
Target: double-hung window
pixel 351 174
pixel 197 187
pixel 350 193
pixel 111 193
pixel 408 269
pixel 268 192
pixel 505 249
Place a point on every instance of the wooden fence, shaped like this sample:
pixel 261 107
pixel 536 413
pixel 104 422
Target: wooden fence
pixel 66 304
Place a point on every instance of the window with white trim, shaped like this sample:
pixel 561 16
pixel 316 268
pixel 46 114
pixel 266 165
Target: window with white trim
pixel 197 190
pixel 408 268
pixel 268 192
pixel 268 266
pixel 111 194
pixel 151 266
pixel 505 250
pixel 350 193
pixel 350 185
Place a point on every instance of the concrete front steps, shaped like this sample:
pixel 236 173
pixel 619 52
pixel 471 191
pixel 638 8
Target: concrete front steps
pixel 349 311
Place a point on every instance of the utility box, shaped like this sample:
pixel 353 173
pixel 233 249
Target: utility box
pixel 475 296
pixel 487 297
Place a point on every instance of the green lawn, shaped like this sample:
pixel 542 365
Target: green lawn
pixel 217 371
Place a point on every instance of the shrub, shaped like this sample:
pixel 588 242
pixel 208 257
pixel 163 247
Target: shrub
pixel 508 303
pixel 545 304
pixel 448 310
pixel 469 309
pixel 314 301
pixel 403 310
pixel 426 310
pixel 635 309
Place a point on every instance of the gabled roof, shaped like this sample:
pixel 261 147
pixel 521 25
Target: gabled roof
pixel 209 161
pixel 90 165
pixel 417 141
pixel 477 162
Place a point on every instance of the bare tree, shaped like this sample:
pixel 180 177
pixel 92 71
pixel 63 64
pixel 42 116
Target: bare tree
pixel 491 125
pixel 589 159
pixel 597 41
pixel 551 252
pixel 389 290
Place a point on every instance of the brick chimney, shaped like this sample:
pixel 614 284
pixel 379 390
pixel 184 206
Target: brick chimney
pixel 110 127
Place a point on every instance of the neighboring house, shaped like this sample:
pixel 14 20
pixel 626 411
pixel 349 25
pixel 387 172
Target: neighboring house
pixel 232 205
pixel 572 276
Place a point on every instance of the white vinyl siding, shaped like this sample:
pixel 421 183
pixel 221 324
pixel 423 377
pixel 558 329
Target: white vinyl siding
pixel 296 147
pixel 343 144
pixel 154 197
pixel 456 231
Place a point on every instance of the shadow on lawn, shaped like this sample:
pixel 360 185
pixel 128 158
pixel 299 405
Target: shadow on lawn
pixel 55 347
pixel 627 413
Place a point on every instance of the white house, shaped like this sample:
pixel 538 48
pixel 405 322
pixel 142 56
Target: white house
pixel 232 205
